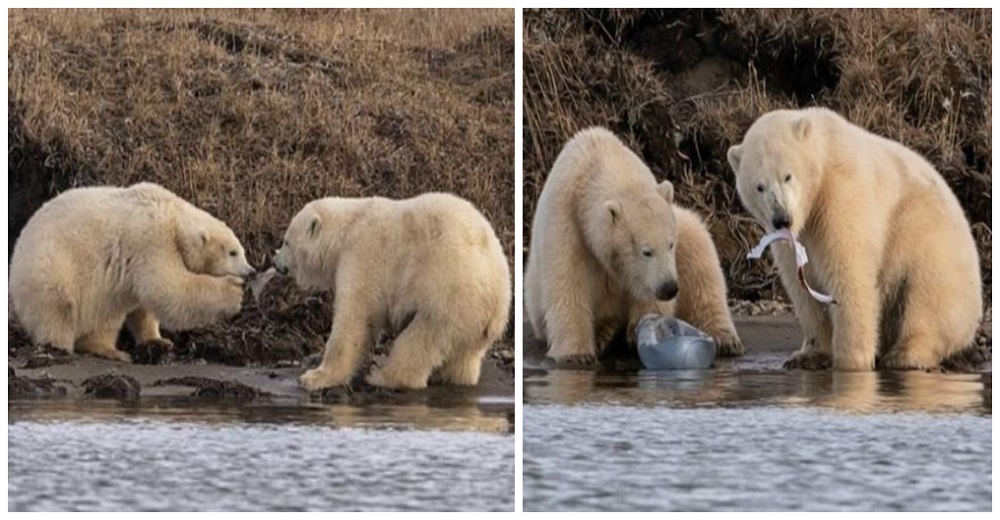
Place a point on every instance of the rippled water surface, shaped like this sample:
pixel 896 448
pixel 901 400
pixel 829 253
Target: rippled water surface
pixel 106 456
pixel 757 439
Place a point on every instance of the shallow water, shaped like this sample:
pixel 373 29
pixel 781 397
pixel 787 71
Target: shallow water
pixel 748 436
pixel 168 455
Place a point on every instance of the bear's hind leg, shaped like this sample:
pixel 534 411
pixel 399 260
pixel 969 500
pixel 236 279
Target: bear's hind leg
pixel 916 351
pixel 924 337
pixel 49 317
pixel 463 367
pixel 415 354
pixel 144 327
pixel 101 342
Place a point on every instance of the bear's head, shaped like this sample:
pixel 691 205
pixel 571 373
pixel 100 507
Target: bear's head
pixel 209 247
pixel 778 168
pixel 308 251
pixel 636 239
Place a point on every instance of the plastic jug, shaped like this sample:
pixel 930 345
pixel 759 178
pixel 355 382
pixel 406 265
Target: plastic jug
pixel 672 344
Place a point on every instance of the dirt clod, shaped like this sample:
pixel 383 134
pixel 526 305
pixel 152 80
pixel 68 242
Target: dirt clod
pixel 970 359
pixel 43 359
pixel 112 386
pixel 19 387
pixel 216 389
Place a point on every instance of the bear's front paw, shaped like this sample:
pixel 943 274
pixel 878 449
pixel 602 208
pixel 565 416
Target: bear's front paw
pixel 318 379
pixel 151 352
pixel 809 360
pixel 232 295
pixel 729 347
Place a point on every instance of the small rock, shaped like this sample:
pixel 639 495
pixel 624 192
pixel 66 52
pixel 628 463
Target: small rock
pixel 42 360
pixel 25 388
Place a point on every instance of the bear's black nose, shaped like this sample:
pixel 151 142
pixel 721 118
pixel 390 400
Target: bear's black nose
pixel 781 220
pixel 667 291
pixel 281 270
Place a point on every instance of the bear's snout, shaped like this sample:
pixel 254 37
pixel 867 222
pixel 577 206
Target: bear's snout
pixel 781 220
pixel 667 291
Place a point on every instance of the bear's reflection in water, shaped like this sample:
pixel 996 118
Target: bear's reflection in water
pixel 862 392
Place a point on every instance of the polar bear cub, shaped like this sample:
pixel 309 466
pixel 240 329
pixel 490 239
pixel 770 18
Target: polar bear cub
pixel 608 245
pixel 430 270
pixel 94 259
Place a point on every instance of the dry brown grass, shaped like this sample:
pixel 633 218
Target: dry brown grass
pixel 252 113
pixel 683 85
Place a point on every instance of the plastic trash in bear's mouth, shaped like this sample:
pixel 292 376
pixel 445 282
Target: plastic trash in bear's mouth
pixel 671 344
pixel 259 282
pixel 801 259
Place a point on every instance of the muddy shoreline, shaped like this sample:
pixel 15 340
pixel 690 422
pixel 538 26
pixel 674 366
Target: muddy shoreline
pixel 44 373
pixel 775 334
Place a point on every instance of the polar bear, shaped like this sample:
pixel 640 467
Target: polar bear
pixel 885 235
pixel 429 270
pixel 608 246
pixel 93 259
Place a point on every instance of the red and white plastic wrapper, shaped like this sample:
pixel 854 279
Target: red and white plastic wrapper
pixel 801 259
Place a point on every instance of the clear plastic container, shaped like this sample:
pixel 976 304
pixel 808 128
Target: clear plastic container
pixel 672 344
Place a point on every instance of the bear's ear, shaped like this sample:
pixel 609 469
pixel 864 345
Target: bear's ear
pixel 802 128
pixel 614 208
pixel 314 226
pixel 204 236
pixel 666 190
pixel 734 155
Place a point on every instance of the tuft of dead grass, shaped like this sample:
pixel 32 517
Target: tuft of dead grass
pixel 682 85
pixel 250 114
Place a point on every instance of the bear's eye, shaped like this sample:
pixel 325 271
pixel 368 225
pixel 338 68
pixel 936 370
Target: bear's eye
pixel 788 177
pixel 671 246
pixel 760 188
pixel 233 253
pixel 647 252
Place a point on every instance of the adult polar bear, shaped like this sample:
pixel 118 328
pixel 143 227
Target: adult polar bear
pixel 93 259
pixel 429 269
pixel 885 235
pixel 603 253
